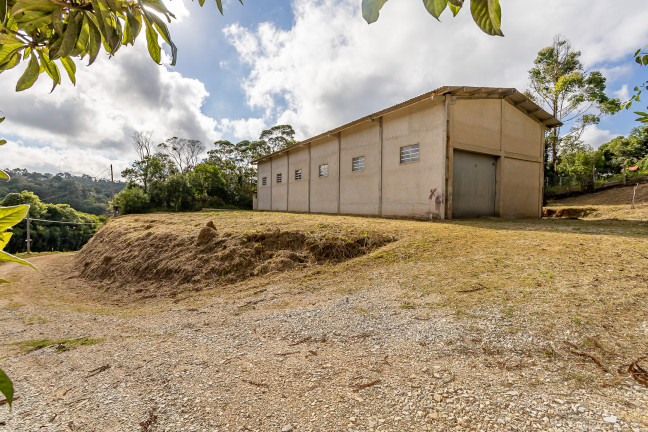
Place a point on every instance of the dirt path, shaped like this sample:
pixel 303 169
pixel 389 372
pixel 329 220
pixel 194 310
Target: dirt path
pixel 276 358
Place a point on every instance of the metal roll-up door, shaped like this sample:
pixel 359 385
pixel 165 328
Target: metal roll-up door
pixel 473 184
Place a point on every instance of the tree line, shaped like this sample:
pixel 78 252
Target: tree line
pixel 84 193
pixel 172 176
pixel 49 236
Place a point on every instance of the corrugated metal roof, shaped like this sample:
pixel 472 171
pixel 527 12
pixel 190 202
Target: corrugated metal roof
pixel 513 96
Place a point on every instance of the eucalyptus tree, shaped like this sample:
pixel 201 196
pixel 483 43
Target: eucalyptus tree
pixel 560 84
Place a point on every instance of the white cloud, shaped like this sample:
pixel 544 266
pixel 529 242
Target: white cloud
pixel 178 8
pixel 623 93
pixel 331 67
pixel 54 160
pixel 244 128
pixel 113 97
pixel 594 136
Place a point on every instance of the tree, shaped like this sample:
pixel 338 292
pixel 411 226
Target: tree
pixel 559 84
pixel 622 152
pixel 132 200
pixel 185 153
pixel 278 137
pixel 143 144
pixel 581 161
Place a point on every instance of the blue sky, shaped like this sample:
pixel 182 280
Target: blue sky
pixel 314 64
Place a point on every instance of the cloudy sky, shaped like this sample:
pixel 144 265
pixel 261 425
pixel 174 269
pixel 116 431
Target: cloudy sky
pixel 314 64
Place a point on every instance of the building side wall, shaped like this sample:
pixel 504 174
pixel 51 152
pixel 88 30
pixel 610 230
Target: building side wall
pixel 521 185
pixel 280 190
pixel 520 133
pixel 263 192
pixel 298 189
pixel 324 190
pixel 478 121
pixel 359 190
pixel 417 188
pixel 495 127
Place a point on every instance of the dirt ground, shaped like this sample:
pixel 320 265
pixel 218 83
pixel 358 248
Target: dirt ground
pixel 482 325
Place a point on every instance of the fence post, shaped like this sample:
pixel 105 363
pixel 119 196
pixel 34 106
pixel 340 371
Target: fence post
pixel 28 235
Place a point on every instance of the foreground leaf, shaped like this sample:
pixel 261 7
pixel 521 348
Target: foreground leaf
pixel 30 75
pixel 6 387
pixel 4 239
pixel 7 257
pixel 70 68
pixel 435 7
pixel 371 9
pixel 152 42
pixel 10 216
pixel 488 16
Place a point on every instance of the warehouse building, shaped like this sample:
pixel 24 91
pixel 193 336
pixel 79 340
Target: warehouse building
pixel 455 152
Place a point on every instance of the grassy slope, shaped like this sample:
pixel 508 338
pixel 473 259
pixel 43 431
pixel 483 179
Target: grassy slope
pixel 561 275
pixel 611 203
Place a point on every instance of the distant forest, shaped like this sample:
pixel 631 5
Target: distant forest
pixel 82 193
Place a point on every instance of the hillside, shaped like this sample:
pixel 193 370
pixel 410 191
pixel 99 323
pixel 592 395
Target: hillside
pixel 269 322
pixel 609 204
pixel 83 193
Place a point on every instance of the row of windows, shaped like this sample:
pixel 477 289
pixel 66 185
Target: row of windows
pixel 408 154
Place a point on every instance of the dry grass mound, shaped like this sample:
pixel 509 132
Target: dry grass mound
pixel 160 260
pixel 568 212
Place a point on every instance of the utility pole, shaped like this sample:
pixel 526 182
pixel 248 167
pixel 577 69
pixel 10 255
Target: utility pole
pixel 28 236
pixel 112 181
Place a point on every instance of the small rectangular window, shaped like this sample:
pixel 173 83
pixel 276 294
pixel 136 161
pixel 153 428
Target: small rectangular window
pixel 358 163
pixel 409 154
pixel 298 174
pixel 279 178
pixel 264 181
pixel 323 170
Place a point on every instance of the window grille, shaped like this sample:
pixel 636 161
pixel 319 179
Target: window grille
pixel 279 178
pixel 409 154
pixel 358 163
pixel 298 174
pixel 323 170
pixel 264 181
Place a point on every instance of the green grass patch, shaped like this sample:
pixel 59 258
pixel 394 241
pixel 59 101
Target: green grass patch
pixel 61 344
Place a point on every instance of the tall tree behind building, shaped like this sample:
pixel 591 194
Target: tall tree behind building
pixel 560 84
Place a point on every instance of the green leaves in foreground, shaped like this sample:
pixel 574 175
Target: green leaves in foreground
pixel 641 57
pixel 10 216
pixel 6 386
pixel 486 13
pixel 48 35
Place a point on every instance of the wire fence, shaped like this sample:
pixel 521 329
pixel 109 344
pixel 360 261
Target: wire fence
pixel 564 185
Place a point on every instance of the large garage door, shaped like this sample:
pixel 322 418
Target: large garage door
pixel 473 185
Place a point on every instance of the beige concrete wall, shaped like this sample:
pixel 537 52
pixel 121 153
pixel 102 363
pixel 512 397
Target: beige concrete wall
pixel 417 188
pixel 497 128
pixel 520 188
pixel 324 190
pixel 477 122
pixel 359 190
pixel 520 133
pixel 280 190
pixel 298 189
pixel 263 192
